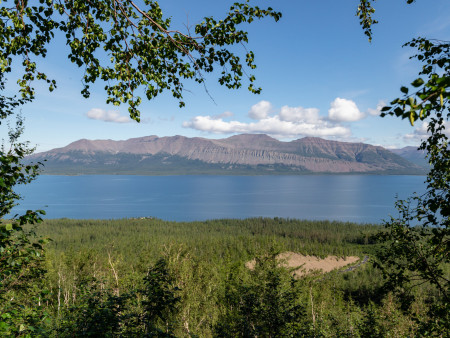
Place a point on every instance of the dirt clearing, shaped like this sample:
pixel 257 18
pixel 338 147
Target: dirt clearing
pixel 308 264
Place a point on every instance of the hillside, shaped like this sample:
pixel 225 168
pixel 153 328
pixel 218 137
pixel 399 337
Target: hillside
pixel 240 154
pixel 413 155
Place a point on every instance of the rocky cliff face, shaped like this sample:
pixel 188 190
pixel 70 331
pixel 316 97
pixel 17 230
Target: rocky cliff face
pixel 303 155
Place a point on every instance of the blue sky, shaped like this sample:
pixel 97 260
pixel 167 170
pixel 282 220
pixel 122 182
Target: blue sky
pixel 320 77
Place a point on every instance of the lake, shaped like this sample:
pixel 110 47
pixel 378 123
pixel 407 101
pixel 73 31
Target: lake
pixel 354 198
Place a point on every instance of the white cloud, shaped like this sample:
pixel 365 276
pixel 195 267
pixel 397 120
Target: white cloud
pixel 421 132
pixel 343 110
pixel 377 110
pixel 291 122
pixel 299 114
pixel 261 110
pixel 214 125
pixel 107 116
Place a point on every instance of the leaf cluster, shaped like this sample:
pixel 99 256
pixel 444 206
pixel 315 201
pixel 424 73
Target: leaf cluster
pixel 128 47
pixel 430 95
pixel 365 13
pixel 418 240
pixel 21 257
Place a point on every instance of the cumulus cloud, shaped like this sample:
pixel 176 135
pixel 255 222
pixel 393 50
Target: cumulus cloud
pixel 377 110
pixel 261 110
pixel 291 122
pixel 299 114
pixel 214 125
pixel 343 110
pixel 107 116
pixel 288 122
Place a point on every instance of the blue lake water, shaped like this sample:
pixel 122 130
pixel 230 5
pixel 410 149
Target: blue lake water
pixel 355 198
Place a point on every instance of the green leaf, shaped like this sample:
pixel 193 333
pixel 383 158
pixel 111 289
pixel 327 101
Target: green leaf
pixel 9 227
pixel 417 82
pixel 404 90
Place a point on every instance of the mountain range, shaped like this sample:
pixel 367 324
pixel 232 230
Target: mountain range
pixel 245 154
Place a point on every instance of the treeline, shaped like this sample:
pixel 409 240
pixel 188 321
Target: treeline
pixel 149 277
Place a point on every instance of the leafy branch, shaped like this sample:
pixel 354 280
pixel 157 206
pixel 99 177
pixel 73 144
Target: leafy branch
pixel 129 47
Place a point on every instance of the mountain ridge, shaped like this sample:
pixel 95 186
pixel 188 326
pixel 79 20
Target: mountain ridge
pixel 257 153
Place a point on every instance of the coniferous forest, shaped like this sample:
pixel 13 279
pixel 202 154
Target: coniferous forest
pixel 148 277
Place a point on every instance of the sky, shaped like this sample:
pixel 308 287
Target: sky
pixel 319 74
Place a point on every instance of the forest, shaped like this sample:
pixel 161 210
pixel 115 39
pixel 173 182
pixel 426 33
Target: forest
pixel 149 277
